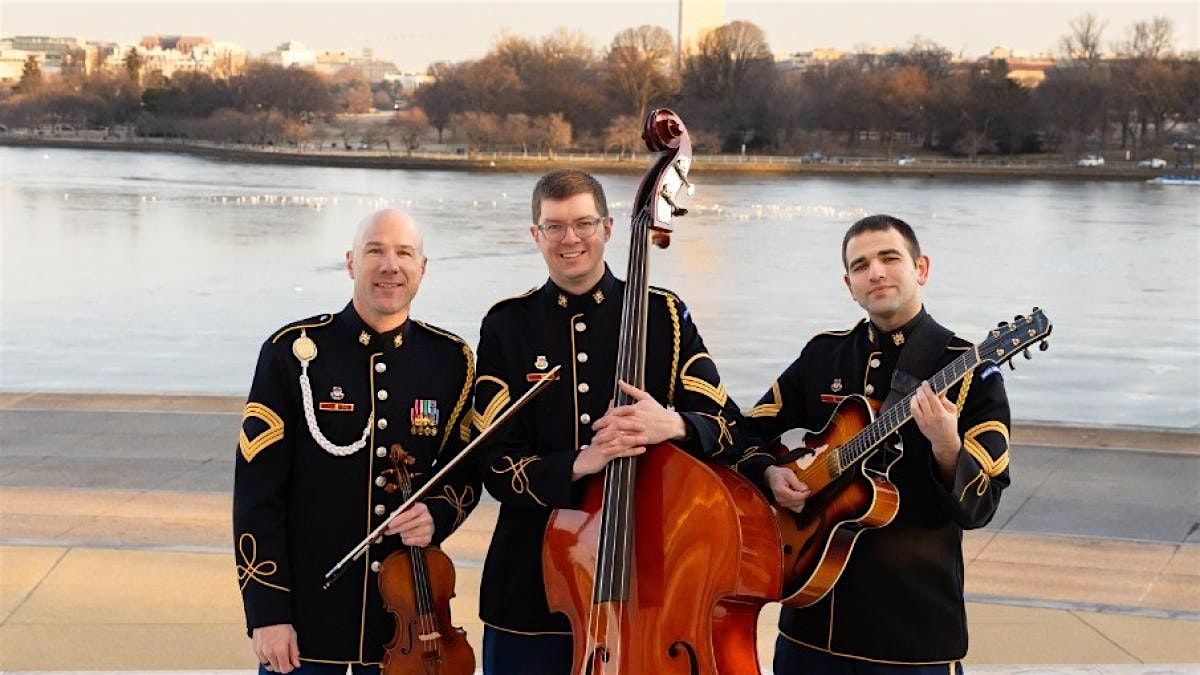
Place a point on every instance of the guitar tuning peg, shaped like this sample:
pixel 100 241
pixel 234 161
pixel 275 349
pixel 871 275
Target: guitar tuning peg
pixel 1003 324
pixel 1035 310
pixel 1017 318
pixel 1043 345
pixel 1011 365
pixel 1028 356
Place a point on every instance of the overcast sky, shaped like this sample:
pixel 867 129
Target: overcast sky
pixel 414 34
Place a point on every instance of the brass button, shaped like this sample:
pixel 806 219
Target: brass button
pixel 380 509
pixel 581 357
pixel 583 387
pixel 869 389
pixel 380 481
pixel 580 326
pixel 375 565
pixel 874 363
pixel 381 451
pixel 382 423
pixel 382 394
pixel 585 418
pixel 380 367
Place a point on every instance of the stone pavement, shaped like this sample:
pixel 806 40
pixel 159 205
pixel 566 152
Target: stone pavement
pixel 115 548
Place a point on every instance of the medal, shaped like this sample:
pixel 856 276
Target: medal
pixel 304 348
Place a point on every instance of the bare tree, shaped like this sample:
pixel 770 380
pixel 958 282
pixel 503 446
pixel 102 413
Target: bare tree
pixel 1083 42
pixel 732 68
pixel 1151 39
pixel 639 67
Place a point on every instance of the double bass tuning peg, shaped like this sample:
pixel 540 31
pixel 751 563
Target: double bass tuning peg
pixel 1027 355
pixel 1044 345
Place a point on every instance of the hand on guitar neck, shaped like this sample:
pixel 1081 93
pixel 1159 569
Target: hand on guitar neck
pixel 937 418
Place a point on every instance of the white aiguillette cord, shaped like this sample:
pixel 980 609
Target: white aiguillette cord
pixel 356 552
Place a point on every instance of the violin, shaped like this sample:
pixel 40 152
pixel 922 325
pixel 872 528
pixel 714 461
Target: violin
pixel 665 566
pixel 417 585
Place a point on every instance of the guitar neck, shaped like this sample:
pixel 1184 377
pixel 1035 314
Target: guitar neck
pixel 890 420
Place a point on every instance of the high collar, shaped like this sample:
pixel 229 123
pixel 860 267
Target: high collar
pixel 896 338
pixel 355 329
pixel 608 289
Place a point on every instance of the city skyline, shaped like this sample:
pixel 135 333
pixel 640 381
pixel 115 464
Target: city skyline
pixel 415 34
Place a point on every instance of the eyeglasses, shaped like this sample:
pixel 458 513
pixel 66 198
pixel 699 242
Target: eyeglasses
pixel 583 228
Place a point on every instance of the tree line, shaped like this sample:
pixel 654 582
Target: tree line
pixel 558 91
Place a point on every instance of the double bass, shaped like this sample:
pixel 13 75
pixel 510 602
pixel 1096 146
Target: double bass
pixel 667 563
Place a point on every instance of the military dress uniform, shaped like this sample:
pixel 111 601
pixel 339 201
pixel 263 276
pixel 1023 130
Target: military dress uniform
pixel 315 472
pixel 900 598
pixel 527 466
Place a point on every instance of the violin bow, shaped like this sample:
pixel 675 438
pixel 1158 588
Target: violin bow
pixel 355 553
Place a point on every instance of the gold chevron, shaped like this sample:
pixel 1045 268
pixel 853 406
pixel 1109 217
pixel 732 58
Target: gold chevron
pixel 272 433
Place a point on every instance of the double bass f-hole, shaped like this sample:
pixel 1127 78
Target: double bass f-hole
pixel 417 585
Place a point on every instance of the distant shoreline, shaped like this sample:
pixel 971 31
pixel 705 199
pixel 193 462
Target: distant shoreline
pixel 760 165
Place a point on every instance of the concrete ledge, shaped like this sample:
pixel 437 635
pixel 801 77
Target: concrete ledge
pixel 1143 439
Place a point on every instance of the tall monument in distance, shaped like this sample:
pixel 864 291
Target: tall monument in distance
pixel 697 17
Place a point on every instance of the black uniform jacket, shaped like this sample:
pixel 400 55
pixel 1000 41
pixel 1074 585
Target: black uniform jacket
pixel 900 598
pixel 527 466
pixel 297 508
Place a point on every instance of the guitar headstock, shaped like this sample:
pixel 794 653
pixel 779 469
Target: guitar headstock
pixel 1009 339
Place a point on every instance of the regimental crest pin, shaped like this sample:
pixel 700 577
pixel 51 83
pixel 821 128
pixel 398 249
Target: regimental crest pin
pixel 897 339
pixel 337 394
pixel 540 362
pixel 424 417
pixel 836 385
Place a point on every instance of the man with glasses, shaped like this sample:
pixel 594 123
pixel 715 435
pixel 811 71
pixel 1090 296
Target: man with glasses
pixel 535 463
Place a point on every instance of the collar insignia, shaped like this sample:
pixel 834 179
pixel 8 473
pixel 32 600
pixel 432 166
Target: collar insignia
pixel 897 338
pixel 562 300
pixel 598 296
pixel 364 338
pixel 398 340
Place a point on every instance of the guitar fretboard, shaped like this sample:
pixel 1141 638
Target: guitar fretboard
pixel 894 417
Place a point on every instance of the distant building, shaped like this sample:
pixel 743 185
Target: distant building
pixel 409 82
pixel 1028 71
pixel 290 54
pixel 171 54
pixel 697 17
pixel 802 61
pixel 56 56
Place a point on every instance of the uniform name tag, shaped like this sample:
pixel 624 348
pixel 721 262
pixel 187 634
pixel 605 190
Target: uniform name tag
pixel 336 407
pixel 537 377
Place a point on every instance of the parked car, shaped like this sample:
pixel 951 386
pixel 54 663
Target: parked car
pixel 1090 160
pixel 813 157
pixel 1153 163
pixel 905 160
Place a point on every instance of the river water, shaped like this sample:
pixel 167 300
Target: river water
pixel 156 273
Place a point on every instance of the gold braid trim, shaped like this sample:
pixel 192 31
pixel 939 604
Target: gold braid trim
pixel 252 569
pixel 325 319
pixel 769 409
pixel 459 502
pixel 674 312
pixel 468 384
pixel 483 420
pixel 701 386
pixel 751 451
pixel 962 391
pixel 724 436
pixel 988 468
pixel 273 432
pixel 520 481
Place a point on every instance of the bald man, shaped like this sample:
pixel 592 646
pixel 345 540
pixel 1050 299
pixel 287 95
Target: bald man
pixel 338 401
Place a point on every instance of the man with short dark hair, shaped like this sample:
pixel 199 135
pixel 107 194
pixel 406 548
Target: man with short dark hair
pixel 535 463
pixel 898 606
pixel 338 402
